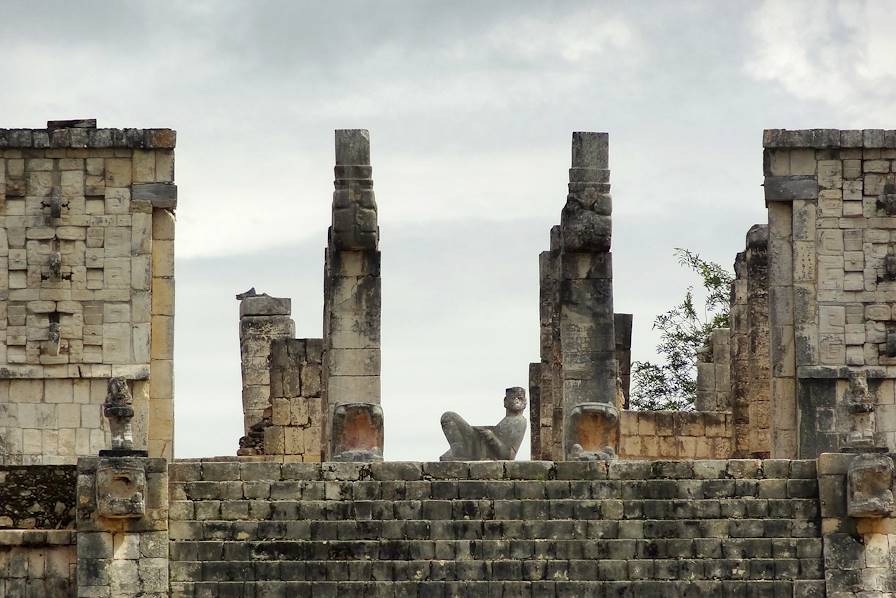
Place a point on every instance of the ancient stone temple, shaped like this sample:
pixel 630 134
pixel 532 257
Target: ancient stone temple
pixel 779 483
pixel 87 282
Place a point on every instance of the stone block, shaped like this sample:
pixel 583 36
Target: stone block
pixel 263 305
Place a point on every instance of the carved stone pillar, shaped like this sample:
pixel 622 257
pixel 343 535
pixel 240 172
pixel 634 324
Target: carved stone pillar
pixel 351 359
pixel 587 330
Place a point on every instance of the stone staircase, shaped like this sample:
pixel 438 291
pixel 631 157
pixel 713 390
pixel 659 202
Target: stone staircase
pixel 702 528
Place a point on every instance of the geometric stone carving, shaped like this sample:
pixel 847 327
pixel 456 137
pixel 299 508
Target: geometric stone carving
pixel 870 486
pixel 357 432
pixel 486 443
pixel 120 488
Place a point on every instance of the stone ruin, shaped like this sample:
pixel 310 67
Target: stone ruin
pixel 779 483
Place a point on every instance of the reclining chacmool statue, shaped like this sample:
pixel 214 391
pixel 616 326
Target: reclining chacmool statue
pixel 487 443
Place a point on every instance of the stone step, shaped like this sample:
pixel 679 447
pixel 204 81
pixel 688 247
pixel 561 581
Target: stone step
pixel 499 570
pixel 476 529
pixel 772 488
pixel 235 469
pixel 528 510
pixel 504 589
pixel 466 550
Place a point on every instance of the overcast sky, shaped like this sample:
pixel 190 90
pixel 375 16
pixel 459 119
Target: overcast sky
pixel 470 107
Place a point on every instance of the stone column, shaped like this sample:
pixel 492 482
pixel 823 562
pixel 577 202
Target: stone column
pixel 262 320
pixel 352 303
pixel 587 331
pixel 749 353
pixel 623 325
pixel 546 386
pixel 781 332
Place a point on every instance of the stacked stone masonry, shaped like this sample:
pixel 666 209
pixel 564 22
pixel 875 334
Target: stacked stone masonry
pixel 676 435
pixel 87 286
pixel 832 278
pixel 859 553
pixel 750 383
pixel 263 319
pixel 713 528
pixel 38 563
pixel 714 373
pixel 296 404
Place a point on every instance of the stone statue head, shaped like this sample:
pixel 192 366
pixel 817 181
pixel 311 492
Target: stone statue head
pixel 117 392
pixel 515 400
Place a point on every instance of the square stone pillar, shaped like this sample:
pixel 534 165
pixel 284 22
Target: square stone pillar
pixel 352 305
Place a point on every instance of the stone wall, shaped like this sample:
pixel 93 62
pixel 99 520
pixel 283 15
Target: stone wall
pixel 732 528
pixel 832 273
pixel 676 435
pixel 37 496
pixel 859 553
pixel 37 563
pixel 296 404
pixel 87 287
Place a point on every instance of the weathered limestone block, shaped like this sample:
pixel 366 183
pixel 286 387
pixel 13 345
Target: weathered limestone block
pixel 622 324
pixel 354 207
pixel 713 372
pixel 870 486
pixel 484 443
pixel 120 488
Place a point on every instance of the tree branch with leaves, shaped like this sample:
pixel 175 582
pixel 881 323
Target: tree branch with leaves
pixel 671 384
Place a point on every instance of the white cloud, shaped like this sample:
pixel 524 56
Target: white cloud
pixel 836 53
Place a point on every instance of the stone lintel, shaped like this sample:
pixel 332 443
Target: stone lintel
pixel 82 136
pixel 828 138
pixel 52 372
pixel 842 372
pixel 161 195
pixel 789 188
pixel 264 305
